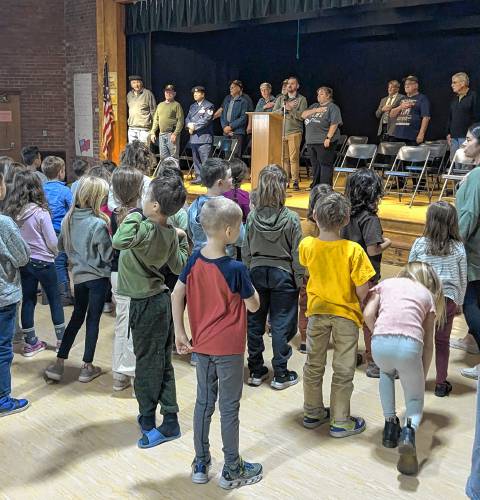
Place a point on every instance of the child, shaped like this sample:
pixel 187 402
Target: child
pixel 242 198
pixel 401 314
pixel 32 159
pixel 441 246
pixel 80 168
pixel 27 206
pixel 15 254
pixel 145 246
pixel 364 190
pixel 218 324
pixel 309 228
pixel 127 186
pixel 59 198
pixel 339 271
pixel 86 241
pixel 270 252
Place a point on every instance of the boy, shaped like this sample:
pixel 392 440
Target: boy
pixel 218 322
pixel 148 243
pixel 339 272
pixel 32 160
pixel 80 168
pixel 59 199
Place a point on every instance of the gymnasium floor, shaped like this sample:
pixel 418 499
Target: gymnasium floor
pixel 78 441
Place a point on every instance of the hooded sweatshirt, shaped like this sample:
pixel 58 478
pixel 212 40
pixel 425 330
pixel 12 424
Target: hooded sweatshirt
pixel 272 237
pixel 14 253
pixel 91 247
pixel 37 230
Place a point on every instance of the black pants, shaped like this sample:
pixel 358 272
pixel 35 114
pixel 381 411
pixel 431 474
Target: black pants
pixel 322 160
pixel 239 149
pixel 279 298
pixel 89 301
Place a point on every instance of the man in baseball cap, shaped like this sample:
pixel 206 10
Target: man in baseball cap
pixel 141 107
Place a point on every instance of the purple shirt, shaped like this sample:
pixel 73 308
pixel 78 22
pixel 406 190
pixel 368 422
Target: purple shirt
pixel 241 198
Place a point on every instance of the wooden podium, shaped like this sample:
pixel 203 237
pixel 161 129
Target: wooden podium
pixel 266 142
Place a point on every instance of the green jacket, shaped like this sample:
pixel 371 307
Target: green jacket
pixel 293 118
pixel 468 209
pixel 168 118
pixel 272 236
pixel 145 248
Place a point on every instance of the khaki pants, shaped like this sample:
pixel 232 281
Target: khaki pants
pixel 344 333
pixel 291 155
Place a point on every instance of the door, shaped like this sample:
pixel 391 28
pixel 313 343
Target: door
pixel 10 132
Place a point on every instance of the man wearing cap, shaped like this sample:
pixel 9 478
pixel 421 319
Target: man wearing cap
pixel 200 127
pixel 168 120
pixel 141 107
pixel 234 119
pixel 412 115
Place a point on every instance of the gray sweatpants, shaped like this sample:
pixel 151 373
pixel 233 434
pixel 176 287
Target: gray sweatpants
pixel 216 374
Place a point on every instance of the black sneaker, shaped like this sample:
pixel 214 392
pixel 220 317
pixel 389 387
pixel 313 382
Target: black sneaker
pixel 240 474
pixel 200 471
pixel 312 423
pixel 280 382
pixel 256 378
pixel 391 433
pixel 442 390
pixel 407 463
pixel 303 348
pixel 296 187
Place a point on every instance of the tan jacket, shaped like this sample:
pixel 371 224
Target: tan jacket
pixel 141 108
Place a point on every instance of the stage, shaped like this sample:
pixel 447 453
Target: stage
pixel 400 223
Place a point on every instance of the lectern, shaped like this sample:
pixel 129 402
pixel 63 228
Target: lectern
pixel 266 142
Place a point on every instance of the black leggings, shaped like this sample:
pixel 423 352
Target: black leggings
pixel 322 163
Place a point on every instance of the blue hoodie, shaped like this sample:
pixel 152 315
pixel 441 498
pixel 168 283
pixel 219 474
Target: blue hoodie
pixel 59 199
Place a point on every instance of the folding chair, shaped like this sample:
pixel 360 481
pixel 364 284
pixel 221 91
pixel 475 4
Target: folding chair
pixel 340 149
pixel 305 160
pixel 224 146
pixel 386 153
pixel 408 155
pixel 359 153
pixel 456 173
pixel 436 161
pixel 188 158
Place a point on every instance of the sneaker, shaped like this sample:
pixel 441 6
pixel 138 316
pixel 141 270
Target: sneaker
pixel 18 337
pixel 463 345
pixel 442 390
pixel 9 406
pixel 121 383
pixel 372 371
pixel 391 433
pixel 303 348
pixel 87 374
pixel 200 471
pixel 32 350
pixel 57 347
pixel 234 476
pixel 296 187
pixel 355 425
pixel 55 371
pixel 312 423
pixel 256 378
pixel 284 381
pixel 107 307
pixel 471 372
pixel 360 359
pixel 407 463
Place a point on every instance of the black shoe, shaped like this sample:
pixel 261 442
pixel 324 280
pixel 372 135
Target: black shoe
pixel 442 390
pixel 296 187
pixel 256 378
pixel 391 433
pixel 407 463
pixel 359 359
pixel 312 423
pixel 303 348
pixel 283 381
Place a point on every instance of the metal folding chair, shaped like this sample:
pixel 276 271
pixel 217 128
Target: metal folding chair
pixel 342 146
pixel 224 146
pixel 359 153
pixel 386 154
pixel 460 166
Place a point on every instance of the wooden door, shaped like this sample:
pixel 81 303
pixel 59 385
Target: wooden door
pixel 10 132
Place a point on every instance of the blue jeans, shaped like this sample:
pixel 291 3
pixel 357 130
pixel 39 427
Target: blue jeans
pixel 473 484
pixel 455 143
pixel 401 354
pixel 200 152
pixel 44 272
pixel 166 147
pixel 7 328
pixel 471 309
pixel 61 265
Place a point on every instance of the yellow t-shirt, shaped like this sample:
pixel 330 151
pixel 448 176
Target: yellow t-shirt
pixel 335 269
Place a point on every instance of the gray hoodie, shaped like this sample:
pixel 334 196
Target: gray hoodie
pixel 91 249
pixel 14 253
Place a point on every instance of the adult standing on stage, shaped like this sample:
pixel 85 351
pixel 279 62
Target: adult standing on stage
pixel 200 127
pixel 168 120
pixel 386 125
pixel 463 112
pixel 294 104
pixel 141 108
pixel 234 118
pixel 322 122
pixel 412 115
pixel 267 101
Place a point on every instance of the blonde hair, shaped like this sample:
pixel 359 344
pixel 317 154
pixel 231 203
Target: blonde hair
pixel 90 193
pixel 271 189
pixel 218 214
pixel 462 76
pixel 423 273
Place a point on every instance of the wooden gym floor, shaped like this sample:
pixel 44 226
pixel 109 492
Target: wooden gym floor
pixel 78 441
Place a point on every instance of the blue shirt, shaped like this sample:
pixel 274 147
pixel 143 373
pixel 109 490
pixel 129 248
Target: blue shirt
pixel 201 114
pixel 59 199
pixel 409 121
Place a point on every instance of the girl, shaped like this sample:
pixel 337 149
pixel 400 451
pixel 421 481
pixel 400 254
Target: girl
pixel 442 248
pixel 364 190
pixel 401 312
pixel 85 239
pixel 270 251
pixel 28 207
pixel 127 186
pixel 239 196
pixel 309 228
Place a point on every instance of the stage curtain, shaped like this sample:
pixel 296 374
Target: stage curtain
pixel 139 57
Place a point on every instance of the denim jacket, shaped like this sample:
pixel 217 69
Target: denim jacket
pixel 239 118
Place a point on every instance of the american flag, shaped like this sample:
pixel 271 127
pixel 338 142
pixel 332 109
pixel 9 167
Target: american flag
pixel 107 131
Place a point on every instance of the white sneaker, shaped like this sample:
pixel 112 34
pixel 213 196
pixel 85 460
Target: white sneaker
pixel 121 383
pixel 108 307
pixel 463 345
pixel 471 372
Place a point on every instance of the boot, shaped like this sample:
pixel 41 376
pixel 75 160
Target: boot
pixel 407 463
pixel 65 294
pixel 391 433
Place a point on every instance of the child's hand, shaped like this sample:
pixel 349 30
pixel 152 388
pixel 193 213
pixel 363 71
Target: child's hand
pixel 180 233
pixel 182 343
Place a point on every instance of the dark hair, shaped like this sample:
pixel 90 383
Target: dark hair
pixel 8 173
pixel 26 188
pixel 364 189
pixel 79 167
pixel 127 185
pixel 169 163
pixel 475 130
pixel 317 192
pixel 109 165
pixel 171 171
pixel 239 171
pixel 169 192
pixel 137 155
pixel 213 170
pixel 441 228
pixel 52 165
pixel 254 198
pixel 30 154
pixel 332 211
pixel 101 172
